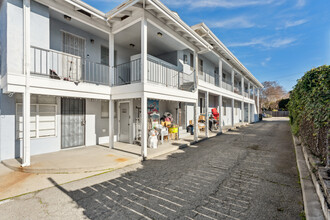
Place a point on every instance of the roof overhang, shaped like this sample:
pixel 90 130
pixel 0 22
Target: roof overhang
pixel 223 51
pixel 164 14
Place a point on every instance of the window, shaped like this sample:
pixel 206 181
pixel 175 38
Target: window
pixel 104 55
pixel 185 59
pixel 201 69
pixel 201 105
pixel 104 109
pixel 42 121
pixel 191 60
pixel 73 44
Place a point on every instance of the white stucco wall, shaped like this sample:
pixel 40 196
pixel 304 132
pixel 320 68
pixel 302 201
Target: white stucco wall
pixel 39 32
pixel 3 37
pixel 96 126
pixel 226 119
pixel 15 36
pixel 10 145
pixel 93 50
pixel 39 25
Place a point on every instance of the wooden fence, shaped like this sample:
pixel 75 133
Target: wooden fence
pixel 278 113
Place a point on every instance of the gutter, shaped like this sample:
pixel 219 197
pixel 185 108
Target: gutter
pixel 82 5
pixel 184 26
pixel 120 8
pixel 214 38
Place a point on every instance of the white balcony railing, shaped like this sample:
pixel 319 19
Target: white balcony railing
pixel 158 72
pixel 63 66
pixel 227 86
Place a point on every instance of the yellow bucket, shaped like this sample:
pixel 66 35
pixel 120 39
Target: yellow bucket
pixel 173 130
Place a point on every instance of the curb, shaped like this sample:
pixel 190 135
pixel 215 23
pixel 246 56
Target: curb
pixel 312 205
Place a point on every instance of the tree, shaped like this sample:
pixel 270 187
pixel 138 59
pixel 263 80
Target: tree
pixel 283 104
pixel 271 94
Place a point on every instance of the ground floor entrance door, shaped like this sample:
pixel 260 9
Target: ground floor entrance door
pixel 73 122
pixel 124 122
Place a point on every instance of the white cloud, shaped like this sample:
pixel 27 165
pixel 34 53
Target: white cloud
pixel 237 22
pixel 295 23
pixel 264 42
pixel 300 3
pixel 219 3
pixel 264 63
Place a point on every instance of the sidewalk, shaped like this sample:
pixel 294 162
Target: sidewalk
pixel 74 164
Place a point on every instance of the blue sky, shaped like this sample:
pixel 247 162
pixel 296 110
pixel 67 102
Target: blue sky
pixel 277 40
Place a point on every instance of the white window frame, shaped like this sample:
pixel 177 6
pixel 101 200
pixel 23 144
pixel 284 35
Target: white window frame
pixel 37 120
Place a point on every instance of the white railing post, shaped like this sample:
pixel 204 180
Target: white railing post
pixel 196 129
pixel 207 114
pixel 111 58
pixel 144 126
pixel 220 112
pixel 242 85
pixel 220 73
pixel 232 112
pixel 196 68
pixel 232 79
pixel 144 50
pixel 111 123
pixel 26 96
pixel 258 101
pixel 242 111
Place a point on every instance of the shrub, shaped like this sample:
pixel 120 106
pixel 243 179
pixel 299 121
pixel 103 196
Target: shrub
pixel 309 108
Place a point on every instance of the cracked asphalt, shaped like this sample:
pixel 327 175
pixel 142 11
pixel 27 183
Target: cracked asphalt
pixel 248 173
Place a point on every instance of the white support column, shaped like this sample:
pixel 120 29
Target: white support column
pixel 220 112
pixel 144 123
pixel 258 101
pixel 249 113
pixel 131 122
pixel 232 112
pixel 232 79
pixel 242 111
pixel 220 73
pixel 242 86
pixel 196 68
pixel 111 58
pixel 111 123
pixel 207 114
pixel 26 160
pixel 196 130
pixel 249 88
pixel 144 50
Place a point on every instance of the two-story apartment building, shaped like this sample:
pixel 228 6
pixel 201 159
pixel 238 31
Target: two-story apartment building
pixel 72 75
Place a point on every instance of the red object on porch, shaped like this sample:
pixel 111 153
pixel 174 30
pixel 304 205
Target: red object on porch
pixel 215 113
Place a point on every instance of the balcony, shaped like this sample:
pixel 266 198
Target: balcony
pixel 206 77
pixel 158 72
pixel 238 90
pixel 57 65
pixel 227 85
pixel 246 94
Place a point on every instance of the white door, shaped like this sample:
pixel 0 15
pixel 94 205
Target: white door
pixel 124 122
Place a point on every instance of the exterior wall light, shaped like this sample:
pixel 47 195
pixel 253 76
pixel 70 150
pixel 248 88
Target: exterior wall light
pixel 159 34
pixel 68 18
pixel 132 45
pixel 92 41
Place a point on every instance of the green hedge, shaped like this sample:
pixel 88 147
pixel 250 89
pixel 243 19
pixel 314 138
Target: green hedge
pixel 309 108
